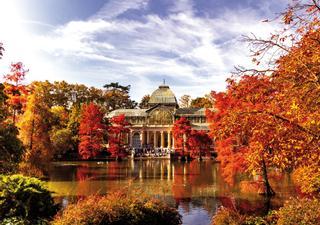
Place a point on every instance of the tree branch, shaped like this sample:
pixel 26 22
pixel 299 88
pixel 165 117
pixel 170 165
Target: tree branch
pixel 296 125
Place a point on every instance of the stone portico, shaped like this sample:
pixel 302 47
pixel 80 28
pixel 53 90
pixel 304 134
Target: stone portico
pixel 152 127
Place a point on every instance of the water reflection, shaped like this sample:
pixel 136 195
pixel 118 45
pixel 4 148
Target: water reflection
pixel 195 188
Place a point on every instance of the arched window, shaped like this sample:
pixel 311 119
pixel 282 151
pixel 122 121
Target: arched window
pixel 161 117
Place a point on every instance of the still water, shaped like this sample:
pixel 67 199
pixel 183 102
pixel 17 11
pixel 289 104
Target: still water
pixel 195 188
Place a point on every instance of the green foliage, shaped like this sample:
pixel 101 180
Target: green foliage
pixel 118 208
pixel 10 147
pixel 117 96
pixel 25 198
pixel 73 125
pixel 61 141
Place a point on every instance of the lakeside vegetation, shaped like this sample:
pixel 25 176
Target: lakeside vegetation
pixel 267 119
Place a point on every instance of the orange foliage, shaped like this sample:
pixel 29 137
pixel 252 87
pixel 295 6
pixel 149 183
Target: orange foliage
pixel 270 118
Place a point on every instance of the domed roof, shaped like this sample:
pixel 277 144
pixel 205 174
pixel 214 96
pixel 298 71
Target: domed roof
pixel 163 95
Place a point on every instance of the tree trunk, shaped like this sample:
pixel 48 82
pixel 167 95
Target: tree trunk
pixel 14 117
pixel 268 189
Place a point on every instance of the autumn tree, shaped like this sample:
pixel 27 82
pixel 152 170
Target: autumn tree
pixel 200 143
pixel 10 146
pixel 34 126
pixel 15 90
pixel 91 131
pixel 267 117
pixel 233 128
pixel 144 102
pixel 118 131
pixel 201 102
pixel 181 131
pixel 117 96
pixel 184 101
pixel 61 93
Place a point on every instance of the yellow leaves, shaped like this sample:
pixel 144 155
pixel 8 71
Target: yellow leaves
pixel 288 17
pixel 308 178
pixel 294 106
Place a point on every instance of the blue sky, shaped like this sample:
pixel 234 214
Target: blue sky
pixel 193 44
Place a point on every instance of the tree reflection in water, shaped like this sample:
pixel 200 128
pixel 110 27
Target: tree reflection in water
pixel 196 188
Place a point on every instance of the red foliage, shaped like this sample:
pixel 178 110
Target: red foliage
pixel 234 124
pixel 199 143
pixel 91 131
pixel 17 92
pixel 119 127
pixel 181 131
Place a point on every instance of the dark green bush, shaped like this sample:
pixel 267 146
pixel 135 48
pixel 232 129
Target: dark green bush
pixel 118 209
pixel 24 198
pixel 10 147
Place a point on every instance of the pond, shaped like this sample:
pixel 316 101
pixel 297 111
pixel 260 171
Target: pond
pixel 195 188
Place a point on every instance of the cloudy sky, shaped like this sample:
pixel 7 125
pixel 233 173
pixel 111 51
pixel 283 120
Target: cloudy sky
pixel 192 44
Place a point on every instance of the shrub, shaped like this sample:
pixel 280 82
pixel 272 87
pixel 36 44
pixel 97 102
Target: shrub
pixel 25 198
pixel 270 219
pixel 23 221
pixel 300 211
pixel 294 212
pixel 118 209
pixel 308 178
pixel 225 216
pixel 27 169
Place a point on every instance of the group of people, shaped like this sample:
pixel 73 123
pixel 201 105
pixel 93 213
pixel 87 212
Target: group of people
pixel 151 152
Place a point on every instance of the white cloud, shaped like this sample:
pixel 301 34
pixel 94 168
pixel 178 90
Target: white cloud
pixel 185 6
pixel 195 53
pixel 115 8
